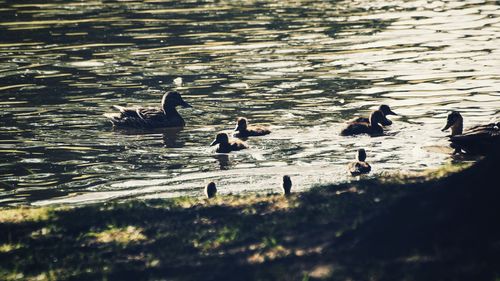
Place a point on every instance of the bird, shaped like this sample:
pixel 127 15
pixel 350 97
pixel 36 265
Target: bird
pixel 477 140
pixel 226 145
pixel 385 109
pixel 359 167
pixel 371 128
pixel 287 185
pixel 151 117
pixel 210 190
pixel 244 131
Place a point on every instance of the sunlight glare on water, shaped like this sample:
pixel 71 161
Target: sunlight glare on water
pixel 300 67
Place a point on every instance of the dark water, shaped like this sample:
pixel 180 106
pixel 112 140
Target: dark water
pixel 301 67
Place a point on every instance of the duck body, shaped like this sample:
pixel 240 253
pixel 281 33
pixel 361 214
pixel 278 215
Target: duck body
pixel 210 190
pixel 150 117
pixel 225 145
pixel 359 167
pixel 480 139
pixel 385 109
pixel 371 128
pixel 244 131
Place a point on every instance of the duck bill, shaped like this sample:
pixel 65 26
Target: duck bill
pixel 391 112
pixel 185 104
pixel 214 142
pixel 446 127
pixel 237 128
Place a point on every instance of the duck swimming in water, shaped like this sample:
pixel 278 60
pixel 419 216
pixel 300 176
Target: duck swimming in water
pixel 385 109
pixel 371 128
pixel 360 167
pixel 210 190
pixel 152 117
pixel 225 145
pixel 480 139
pixel 244 131
pixel 287 185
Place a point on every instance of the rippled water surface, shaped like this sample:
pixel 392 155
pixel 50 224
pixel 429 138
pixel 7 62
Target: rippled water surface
pixel 300 67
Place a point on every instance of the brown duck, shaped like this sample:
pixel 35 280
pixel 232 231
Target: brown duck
pixel 226 145
pixel 151 117
pixel 385 109
pixel 480 139
pixel 360 167
pixel 371 128
pixel 243 130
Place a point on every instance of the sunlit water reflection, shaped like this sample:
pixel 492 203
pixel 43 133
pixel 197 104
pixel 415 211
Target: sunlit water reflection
pixel 301 67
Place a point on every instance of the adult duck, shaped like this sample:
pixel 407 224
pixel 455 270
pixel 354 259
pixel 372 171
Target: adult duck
pixel 151 117
pixel 360 167
pixel 385 109
pixel 371 128
pixel 243 130
pixel 226 145
pixel 480 139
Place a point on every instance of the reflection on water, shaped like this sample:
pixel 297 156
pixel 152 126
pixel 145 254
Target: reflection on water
pixel 301 67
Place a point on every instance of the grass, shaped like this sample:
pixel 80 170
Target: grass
pixel 440 225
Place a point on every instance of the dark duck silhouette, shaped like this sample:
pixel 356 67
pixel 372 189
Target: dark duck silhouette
pixel 480 139
pixel 244 131
pixel 226 145
pixel 151 117
pixel 210 190
pixel 360 167
pixel 385 109
pixel 287 185
pixel 371 128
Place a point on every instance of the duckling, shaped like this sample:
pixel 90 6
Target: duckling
pixel 360 167
pixel 244 131
pixel 372 128
pixel 141 117
pixel 225 145
pixel 287 185
pixel 385 109
pixel 210 190
pixel 480 139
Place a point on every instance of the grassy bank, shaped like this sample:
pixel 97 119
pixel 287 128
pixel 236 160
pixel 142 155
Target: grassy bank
pixel 402 228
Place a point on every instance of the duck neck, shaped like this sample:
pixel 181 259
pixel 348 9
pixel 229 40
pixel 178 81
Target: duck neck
pixel 170 110
pixel 457 127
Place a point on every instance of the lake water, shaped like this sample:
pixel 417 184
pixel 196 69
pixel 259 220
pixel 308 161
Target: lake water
pixel 300 67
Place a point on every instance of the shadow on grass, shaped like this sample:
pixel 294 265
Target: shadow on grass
pixel 439 229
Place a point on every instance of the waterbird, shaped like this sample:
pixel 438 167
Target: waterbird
pixel 287 185
pixel 385 109
pixel 479 139
pixel 210 190
pixel 371 128
pixel 244 130
pixel 151 117
pixel 226 145
pixel 359 167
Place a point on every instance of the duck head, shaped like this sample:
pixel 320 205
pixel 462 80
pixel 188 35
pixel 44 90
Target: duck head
pixel 361 155
pixel 173 99
pixel 455 122
pixel 377 117
pixel 241 124
pixel 221 138
pixel 386 110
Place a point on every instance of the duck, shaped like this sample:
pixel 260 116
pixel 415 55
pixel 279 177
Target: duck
pixel 210 190
pixel 287 185
pixel 244 131
pixel 371 128
pixel 359 167
pixel 226 145
pixel 384 108
pixel 477 140
pixel 151 117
